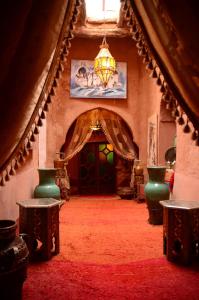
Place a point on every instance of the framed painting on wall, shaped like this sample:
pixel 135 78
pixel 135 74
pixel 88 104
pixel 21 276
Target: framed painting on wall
pixel 86 84
pixel 152 147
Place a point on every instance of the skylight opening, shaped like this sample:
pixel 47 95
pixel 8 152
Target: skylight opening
pixel 102 10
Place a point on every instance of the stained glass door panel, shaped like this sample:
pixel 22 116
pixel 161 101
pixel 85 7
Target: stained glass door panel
pixel 106 168
pixel 97 169
pixel 88 171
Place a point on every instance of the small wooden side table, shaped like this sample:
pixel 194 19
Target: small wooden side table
pixel 181 230
pixel 39 219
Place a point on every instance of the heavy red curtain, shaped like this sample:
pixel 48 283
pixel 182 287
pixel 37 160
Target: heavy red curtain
pixel 30 35
pixel 171 30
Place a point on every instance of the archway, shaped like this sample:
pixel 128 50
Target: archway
pixel 102 162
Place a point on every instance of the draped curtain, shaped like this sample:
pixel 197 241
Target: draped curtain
pixel 35 37
pixel 82 133
pixel 117 135
pixel 35 41
pixel 27 59
pixel 166 33
pixel 115 132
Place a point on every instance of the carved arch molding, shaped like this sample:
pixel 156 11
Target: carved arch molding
pixel 168 53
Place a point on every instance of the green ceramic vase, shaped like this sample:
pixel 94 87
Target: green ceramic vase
pixel 47 187
pixel 155 190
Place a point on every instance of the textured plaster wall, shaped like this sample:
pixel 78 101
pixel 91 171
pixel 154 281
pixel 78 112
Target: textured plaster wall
pixel 20 186
pixel 143 96
pixel 186 185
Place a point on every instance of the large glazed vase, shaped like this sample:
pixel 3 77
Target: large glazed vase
pixel 155 190
pixel 14 257
pixel 47 187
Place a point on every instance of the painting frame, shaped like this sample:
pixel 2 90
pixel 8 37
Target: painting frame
pixel 84 83
pixel 152 144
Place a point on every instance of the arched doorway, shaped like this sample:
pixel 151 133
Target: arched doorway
pixel 97 166
pixel 100 166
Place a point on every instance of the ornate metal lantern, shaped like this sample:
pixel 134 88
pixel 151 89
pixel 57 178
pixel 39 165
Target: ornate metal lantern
pixel 105 64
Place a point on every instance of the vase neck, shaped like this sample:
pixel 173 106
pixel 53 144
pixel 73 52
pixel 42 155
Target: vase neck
pixel 47 176
pixel 156 174
pixel 7 231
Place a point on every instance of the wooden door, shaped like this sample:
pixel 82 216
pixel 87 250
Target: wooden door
pixel 97 169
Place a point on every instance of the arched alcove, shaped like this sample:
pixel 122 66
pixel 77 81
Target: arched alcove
pixel 97 168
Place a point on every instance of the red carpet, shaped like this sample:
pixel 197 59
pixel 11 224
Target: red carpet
pixel 107 230
pixel 145 280
pixel 109 251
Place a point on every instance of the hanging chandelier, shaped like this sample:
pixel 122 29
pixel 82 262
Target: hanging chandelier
pixel 104 65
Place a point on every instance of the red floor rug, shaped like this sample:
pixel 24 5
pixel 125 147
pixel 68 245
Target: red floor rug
pixel 109 252
pixel 144 280
pixel 107 229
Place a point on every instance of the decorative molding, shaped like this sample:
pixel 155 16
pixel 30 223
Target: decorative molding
pixel 90 32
